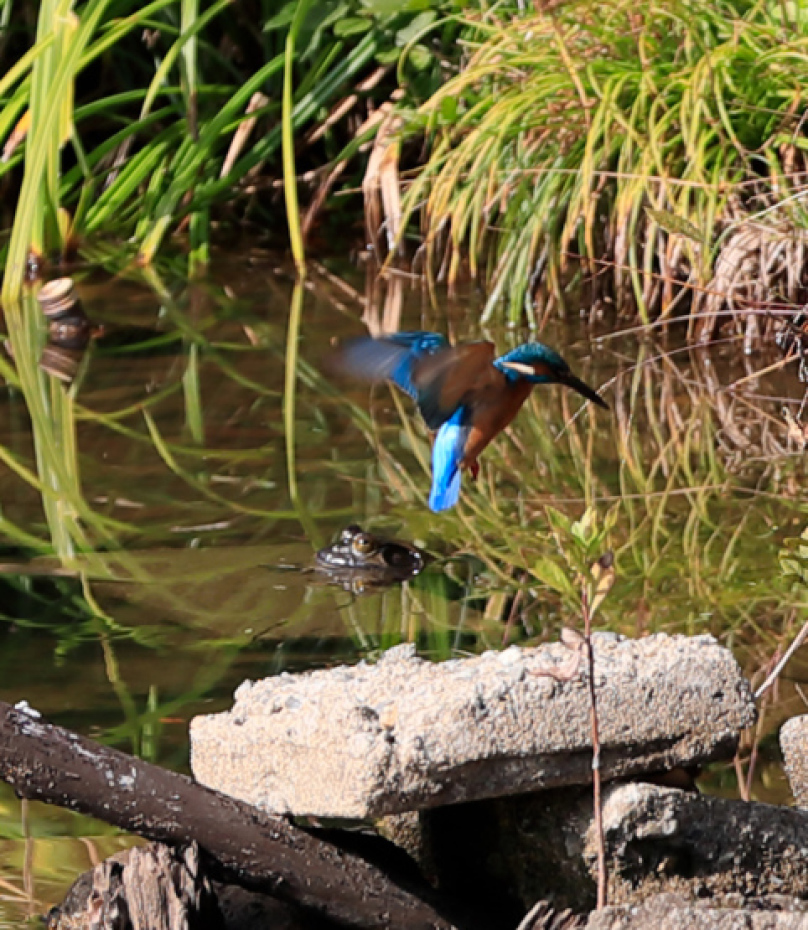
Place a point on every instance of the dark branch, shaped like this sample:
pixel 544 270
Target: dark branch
pixel 239 843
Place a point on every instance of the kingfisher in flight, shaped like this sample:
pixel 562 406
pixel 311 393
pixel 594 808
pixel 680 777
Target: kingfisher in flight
pixel 465 392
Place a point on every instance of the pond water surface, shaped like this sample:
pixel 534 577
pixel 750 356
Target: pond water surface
pixel 159 517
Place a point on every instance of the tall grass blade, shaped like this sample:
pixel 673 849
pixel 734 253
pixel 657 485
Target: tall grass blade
pixel 290 420
pixel 288 141
pixel 52 85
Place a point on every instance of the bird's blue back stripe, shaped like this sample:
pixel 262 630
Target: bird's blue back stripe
pixel 447 453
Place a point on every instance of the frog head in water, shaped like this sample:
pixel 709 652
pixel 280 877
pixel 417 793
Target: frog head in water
pixel 364 556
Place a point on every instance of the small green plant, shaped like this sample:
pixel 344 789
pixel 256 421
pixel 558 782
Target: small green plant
pixel 576 544
pixel 794 558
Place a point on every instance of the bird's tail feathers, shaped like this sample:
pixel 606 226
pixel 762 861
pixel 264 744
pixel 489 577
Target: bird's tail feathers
pixel 447 453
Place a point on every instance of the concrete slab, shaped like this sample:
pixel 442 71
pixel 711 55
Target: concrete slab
pixel 794 743
pixel 408 734
pixel 669 912
pixel 718 851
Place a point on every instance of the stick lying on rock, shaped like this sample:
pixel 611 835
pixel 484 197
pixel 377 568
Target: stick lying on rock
pixel 238 843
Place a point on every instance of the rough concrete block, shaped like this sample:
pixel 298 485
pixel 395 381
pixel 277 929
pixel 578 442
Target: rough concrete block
pixel 721 851
pixel 681 841
pixel 407 734
pixel 670 912
pixel 794 743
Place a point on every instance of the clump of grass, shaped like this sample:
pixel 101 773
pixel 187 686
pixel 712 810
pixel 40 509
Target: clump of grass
pixel 656 147
pixel 134 124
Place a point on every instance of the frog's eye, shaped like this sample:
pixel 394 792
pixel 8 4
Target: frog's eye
pixel 349 533
pixel 362 543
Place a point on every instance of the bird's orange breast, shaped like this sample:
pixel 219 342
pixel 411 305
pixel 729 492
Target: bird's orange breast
pixel 491 413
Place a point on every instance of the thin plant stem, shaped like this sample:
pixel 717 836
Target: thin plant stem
pixel 775 674
pixel 289 410
pixel 288 143
pixel 596 793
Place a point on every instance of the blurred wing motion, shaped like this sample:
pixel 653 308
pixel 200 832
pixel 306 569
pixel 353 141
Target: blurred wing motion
pixel 437 376
pixel 390 358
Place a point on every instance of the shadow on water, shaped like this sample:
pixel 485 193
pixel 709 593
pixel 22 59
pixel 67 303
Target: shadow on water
pixel 159 515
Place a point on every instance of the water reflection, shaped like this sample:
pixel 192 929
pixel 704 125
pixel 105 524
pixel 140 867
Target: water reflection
pixel 159 511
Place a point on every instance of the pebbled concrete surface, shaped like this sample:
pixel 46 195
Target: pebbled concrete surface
pixel 670 912
pixel 408 734
pixel 794 743
pixel 718 851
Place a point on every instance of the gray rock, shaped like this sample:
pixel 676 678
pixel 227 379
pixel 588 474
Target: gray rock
pixel 662 839
pixel 670 912
pixel 658 841
pixel 794 743
pixel 407 734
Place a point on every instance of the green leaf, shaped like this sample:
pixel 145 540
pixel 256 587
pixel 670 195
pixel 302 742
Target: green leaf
pixel 585 529
pixel 559 522
pixel 389 57
pixel 415 27
pixel 352 26
pixel 385 7
pixel 553 575
pixel 325 18
pixel 419 57
pixel 282 18
pixel 791 567
pixel 676 225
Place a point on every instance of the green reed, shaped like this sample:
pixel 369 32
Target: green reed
pixel 73 526
pixel 627 145
pixel 288 141
pixel 137 140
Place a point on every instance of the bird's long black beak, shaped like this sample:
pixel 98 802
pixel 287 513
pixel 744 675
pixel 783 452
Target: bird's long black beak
pixel 583 388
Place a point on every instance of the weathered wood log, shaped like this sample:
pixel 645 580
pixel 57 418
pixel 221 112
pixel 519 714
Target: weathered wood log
pixel 154 886
pixel 238 843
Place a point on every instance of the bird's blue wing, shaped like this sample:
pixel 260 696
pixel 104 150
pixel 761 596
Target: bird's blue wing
pixel 447 453
pixel 418 345
pixel 454 379
pixel 389 358
pixel 441 379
